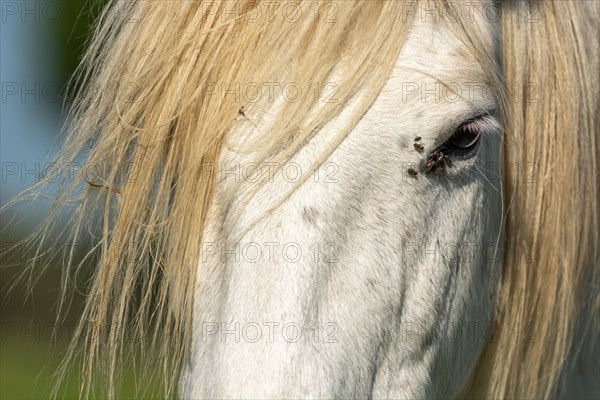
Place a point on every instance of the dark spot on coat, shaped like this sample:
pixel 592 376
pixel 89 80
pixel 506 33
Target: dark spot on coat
pixel 404 142
pixel 309 215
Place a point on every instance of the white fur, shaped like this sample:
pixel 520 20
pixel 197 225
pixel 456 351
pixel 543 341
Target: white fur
pixel 409 290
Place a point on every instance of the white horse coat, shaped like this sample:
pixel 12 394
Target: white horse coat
pixel 366 281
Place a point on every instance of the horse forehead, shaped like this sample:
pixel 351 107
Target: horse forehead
pixel 435 50
pixel 439 75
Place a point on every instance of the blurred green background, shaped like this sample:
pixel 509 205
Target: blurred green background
pixel 41 45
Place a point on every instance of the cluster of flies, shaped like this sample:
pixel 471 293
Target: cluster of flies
pixel 436 162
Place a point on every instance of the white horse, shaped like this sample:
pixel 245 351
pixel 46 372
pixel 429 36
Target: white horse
pixel 350 199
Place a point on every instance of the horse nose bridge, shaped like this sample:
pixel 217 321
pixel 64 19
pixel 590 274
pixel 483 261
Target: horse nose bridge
pixel 253 370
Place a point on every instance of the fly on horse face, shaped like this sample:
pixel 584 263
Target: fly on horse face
pixel 346 199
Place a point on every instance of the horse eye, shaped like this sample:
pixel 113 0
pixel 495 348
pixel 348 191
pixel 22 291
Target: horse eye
pixel 465 138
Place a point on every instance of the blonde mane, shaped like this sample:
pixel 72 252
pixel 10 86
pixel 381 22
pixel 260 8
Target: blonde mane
pixel 149 122
pixel 551 191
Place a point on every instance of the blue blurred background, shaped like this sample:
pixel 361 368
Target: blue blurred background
pixel 41 43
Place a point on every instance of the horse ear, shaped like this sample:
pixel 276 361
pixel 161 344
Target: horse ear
pixel 551 195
